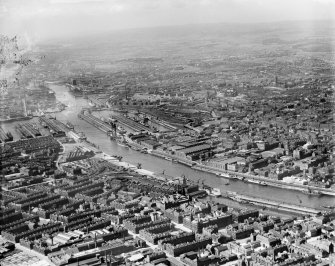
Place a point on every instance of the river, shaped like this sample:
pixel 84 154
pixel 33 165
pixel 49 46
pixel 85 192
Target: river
pixel 158 165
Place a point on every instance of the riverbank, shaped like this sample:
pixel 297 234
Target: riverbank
pixel 244 200
pixel 247 177
pixel 268 181
pixel 273 204
pixel 171 168
pixel 310 190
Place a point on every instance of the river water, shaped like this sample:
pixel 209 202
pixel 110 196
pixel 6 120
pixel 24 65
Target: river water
pixel 158 165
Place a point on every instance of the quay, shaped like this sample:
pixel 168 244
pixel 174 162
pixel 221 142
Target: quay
pixel 29 129
pixel 23 132
pixel 272 204
pixel 94 121
pixel 270 182
pixel 129 123
pixel 285 207
pixel 57 128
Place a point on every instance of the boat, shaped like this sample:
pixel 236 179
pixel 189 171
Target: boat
pixel 215 192
pixel 262 183
pixel 69 125
pixel 121 143
pixel 231 195
pixel 253 181
pixel 168 158
pixel 223 175
pixel 312 192
pixel 121 130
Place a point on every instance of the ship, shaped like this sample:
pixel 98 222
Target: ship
pixel 312 192
pixel 121 142
pixel 262 183
pixel 223 175
pixel 253 181
pixel 82 135
pixel 69 125
pixel 214 192
pixel 121 130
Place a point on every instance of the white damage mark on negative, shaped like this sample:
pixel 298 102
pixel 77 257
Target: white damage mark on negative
pixel 12 61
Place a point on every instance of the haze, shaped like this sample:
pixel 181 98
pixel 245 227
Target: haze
pixel 45 19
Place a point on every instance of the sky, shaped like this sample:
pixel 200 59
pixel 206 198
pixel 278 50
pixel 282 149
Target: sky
pixel 45 19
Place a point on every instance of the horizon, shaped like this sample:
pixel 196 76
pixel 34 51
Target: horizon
pixel 243 27
pixel 40 21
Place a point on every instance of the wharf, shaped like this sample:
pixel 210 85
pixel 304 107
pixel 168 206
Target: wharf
pixel 23 132
pixel 173 158
pixel 96 122
pixel 56 127
pixel 127 122
pixel 273 204
pixel 31 129
pixel 269 182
